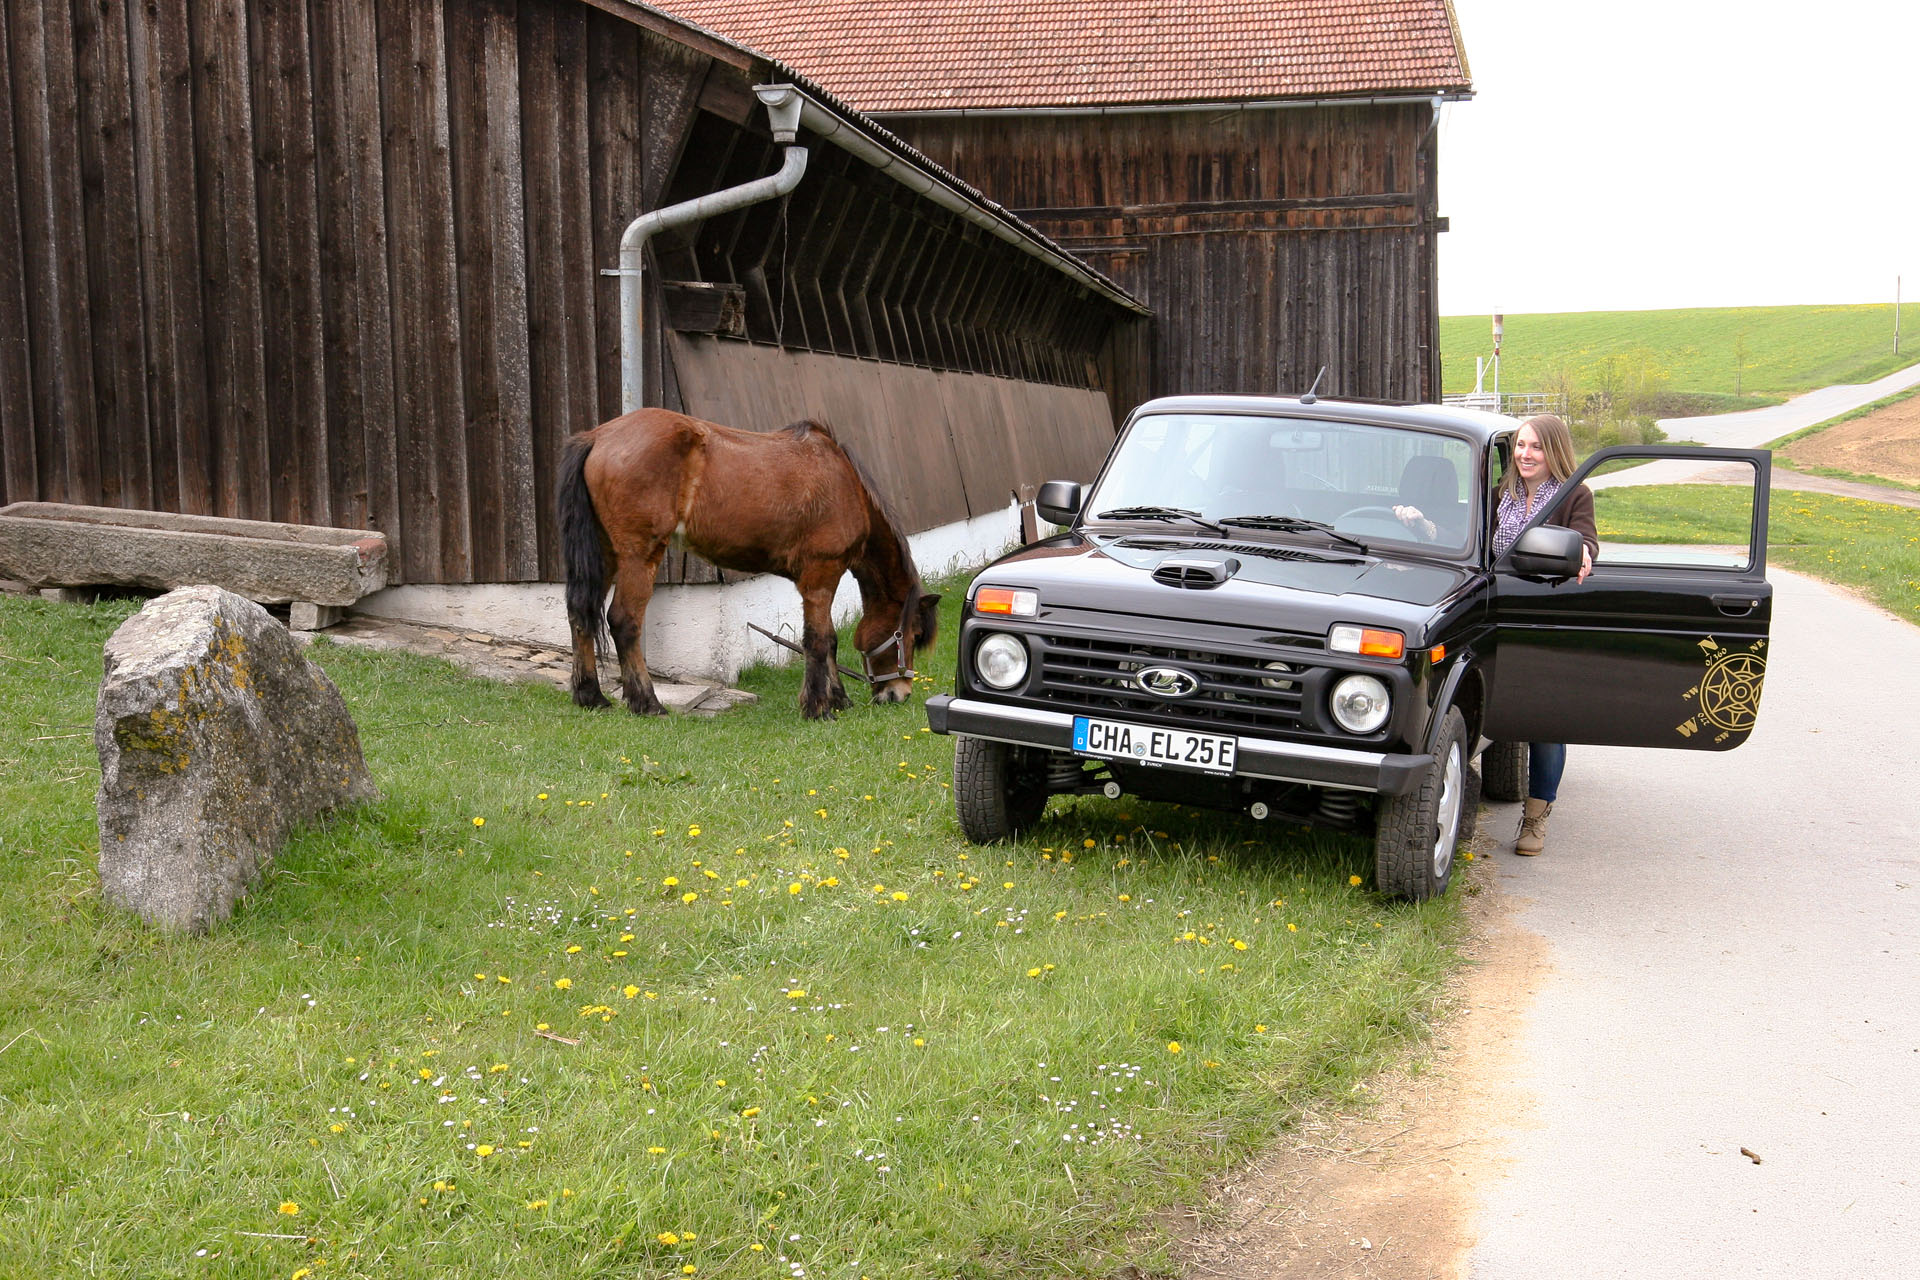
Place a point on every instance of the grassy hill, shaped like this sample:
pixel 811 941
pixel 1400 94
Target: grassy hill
pixel 1753 351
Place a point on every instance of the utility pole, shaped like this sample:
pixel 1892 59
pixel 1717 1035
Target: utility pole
pixel 1499 328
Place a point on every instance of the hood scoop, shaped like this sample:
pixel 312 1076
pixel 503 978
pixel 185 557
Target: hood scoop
pixel 1194 574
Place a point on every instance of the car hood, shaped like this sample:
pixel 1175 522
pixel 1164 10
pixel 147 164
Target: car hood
pixel 1272 585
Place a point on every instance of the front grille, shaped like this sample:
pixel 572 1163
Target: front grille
pixel 1237 691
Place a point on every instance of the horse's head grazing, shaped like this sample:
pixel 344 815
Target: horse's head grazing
pixel 889 655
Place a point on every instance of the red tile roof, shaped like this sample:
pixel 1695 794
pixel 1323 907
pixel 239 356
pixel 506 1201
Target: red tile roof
pixel 908 55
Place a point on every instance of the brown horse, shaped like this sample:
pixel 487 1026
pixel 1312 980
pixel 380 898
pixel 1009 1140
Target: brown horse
pixel 791 502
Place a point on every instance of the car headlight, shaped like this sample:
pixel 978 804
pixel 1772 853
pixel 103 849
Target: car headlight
pixel 1360 704
pixel 1001 661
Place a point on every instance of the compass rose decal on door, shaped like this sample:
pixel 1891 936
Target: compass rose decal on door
pixel 1727 699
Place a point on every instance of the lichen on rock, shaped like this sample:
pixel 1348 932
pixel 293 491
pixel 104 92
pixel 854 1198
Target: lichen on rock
pixel 217 736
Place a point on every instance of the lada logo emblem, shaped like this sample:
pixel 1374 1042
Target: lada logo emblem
pixel 1167 682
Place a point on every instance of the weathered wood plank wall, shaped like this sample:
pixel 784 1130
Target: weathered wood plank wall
pixel 1268 242
pixel 338 262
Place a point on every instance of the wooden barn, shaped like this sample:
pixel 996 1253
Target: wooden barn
pixel 346 263
pixel 1263 173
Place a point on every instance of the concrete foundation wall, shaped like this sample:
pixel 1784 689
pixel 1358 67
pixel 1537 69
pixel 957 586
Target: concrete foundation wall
pixel 692 632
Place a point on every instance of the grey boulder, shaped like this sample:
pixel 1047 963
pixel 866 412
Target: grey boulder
pixel 217 737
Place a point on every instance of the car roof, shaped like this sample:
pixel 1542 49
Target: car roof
pixel 1476 424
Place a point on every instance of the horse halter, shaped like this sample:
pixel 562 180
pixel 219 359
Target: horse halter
pixel 869 659
pixel 895 642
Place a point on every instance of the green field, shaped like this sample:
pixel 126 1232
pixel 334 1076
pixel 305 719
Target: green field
pixel 1756 351
pixel 1872 547
pixel 590 996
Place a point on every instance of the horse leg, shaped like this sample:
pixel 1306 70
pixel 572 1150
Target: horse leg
pixel 626 616
pixel 821 693
pixel 586 670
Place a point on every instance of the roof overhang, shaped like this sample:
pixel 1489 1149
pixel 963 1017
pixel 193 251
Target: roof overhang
pixel 1410 97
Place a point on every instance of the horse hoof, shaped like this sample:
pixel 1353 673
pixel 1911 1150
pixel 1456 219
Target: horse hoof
pixel 819 713
pixel 590 698
pixel 646 708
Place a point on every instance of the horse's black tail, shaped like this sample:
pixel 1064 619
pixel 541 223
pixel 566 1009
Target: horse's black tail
pixel 580 541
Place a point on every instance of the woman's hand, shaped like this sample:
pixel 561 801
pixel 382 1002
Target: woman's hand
pixel 1417 522
pixel 1586 563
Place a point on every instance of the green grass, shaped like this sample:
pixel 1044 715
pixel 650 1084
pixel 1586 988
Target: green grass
pixel 1758 351
pixel 1869 546
pixel 865 1047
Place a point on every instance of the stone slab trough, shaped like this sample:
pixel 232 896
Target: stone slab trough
pixel 55 544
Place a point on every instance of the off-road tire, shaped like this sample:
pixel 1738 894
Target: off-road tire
pixel 1503 771
pixel 997 791
pixel 1412 856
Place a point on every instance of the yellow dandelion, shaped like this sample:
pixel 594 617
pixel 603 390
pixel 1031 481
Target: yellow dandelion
pixel 1173 1046
pixel 899 896
pixel 563 984
pixel 1353 880
pixel 667 1237
pixel 483 1151
pixel 629 991
pixel 479 822
pixel 289 1208
pixel 749 1113
pixel 693 831
pixel 689 898
pixel 1293 928
pixel 1033 973
pixel 672 882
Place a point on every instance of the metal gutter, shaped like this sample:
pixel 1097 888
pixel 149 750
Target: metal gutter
pixel 783 114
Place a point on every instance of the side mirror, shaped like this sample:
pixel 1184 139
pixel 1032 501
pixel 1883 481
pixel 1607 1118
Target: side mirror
pixel 1547 551
pixel 1058 501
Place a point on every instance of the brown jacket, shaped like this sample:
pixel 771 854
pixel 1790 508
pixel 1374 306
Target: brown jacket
pixel 1577 514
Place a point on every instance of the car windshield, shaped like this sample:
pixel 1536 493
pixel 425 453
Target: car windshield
pixel 1345 476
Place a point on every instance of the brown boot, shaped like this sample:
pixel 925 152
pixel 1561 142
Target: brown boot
pixel 1533 828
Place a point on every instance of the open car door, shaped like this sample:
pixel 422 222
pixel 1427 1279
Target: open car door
pixel 1665 643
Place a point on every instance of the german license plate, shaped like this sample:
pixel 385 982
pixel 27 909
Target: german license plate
pixel 1112 740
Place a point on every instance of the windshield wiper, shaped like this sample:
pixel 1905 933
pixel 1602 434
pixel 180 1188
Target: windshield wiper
pixel 1294 524
pixel 1159 513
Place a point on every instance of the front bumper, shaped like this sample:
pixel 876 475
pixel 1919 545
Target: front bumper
pixel 1269 758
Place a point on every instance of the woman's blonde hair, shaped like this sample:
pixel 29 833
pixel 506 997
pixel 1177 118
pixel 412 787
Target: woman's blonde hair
pixel 1556 440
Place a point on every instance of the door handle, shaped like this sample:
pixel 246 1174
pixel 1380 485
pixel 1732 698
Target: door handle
pixel 1736 606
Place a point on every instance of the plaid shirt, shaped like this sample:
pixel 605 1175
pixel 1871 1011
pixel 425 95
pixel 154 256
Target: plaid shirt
pixel 1513 513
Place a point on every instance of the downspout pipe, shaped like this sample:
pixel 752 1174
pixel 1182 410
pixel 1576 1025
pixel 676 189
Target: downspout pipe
pixel 783 104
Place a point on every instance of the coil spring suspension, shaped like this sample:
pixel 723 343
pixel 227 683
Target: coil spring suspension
pixel 1339 808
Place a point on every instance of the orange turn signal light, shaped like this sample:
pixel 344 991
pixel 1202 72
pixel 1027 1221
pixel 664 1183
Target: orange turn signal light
pixel 1009 601
pixel 1439 654
pixel 1368 641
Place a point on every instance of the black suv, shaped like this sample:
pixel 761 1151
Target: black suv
pixel 1237 618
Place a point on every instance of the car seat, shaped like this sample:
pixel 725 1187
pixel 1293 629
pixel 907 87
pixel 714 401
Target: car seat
pixel 1431 484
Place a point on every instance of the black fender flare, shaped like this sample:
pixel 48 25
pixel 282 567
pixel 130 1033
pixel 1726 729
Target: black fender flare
pixel 1465 667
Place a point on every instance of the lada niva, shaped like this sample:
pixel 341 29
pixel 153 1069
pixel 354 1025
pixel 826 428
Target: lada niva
pixel 1236 618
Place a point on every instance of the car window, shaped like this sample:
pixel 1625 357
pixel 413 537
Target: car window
pixel 1348 475
pixel 1676 514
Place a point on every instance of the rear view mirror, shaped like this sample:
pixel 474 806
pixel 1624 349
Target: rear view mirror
pixel 1547 551
pixel 1058 501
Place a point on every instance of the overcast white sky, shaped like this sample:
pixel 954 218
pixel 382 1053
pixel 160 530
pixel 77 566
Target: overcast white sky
pixel 1643 154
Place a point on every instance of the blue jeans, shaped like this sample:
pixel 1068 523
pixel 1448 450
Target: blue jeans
pixel 1546 761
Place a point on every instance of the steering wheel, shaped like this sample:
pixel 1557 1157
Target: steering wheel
pixel 1378 513
pixel 1252 502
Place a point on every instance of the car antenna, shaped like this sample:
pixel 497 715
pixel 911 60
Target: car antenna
pixel 1310 398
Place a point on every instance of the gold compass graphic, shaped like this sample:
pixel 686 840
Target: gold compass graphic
pixel 1730 690
pixel 1727 699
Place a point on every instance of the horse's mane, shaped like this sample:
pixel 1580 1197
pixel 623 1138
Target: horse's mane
pixel 806 426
